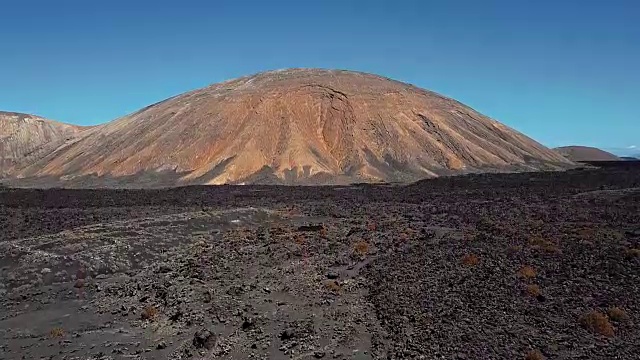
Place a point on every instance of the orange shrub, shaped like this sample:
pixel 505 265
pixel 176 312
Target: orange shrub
pixel 533 290
pixel 632 254
pixel 149 313
pixel 56 332
pixel 597 322
pixel 527 272
pixel 332 286
pixel 323 232
pixel 544 245
pixel 470 260
pixel 361 248
pixel 617 314
pixel 534 355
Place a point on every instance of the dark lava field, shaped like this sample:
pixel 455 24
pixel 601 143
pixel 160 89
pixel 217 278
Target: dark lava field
pixel 501 266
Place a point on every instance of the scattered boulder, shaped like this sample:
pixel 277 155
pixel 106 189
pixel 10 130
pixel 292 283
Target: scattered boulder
pixel 204 338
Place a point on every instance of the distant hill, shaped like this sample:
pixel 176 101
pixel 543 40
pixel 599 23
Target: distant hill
pixel 26 138
pixel 630 158
pixel 586 153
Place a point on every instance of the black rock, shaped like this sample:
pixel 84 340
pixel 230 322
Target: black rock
pixel 311 227
pixel 176 316
pixel 204 338
pixel 332 276
pixel 248 323
pixel 161 345
pixel 287 334
pixel 163 269
pixel 319 354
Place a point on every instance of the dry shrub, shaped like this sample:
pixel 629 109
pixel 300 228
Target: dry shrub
pixel 544 245
pixel 486 224
pixel 527 272
pixel 551 248
pixel 372 226
pixel 514 249
pixel 323 232
pixel 534 355
pixel 533 290
pixel 56 332
pixel 470 260
pixel 332 286
pixel 597 322
pixel 361 248
pixel 468 234
pixel 149 313
pixel 299 239
pixel 617 314
pixel 632 254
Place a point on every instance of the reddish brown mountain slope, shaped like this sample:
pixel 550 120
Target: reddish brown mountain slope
pixel 297 126
pixel 585 153
pixel 26 138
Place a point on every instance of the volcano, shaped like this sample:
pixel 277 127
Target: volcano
pixel 24 139
pixel 296 126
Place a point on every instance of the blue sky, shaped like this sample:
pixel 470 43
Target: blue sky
pixel 562 71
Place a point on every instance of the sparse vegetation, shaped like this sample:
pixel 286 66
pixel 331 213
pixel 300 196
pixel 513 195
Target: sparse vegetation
pixel 361 248
pixel 632 254
pixel 514 249
pixel 533 290
pixel 539 243
pixel 470 260
pixel 527 272
pixel 486 226
pixel 534 355
pixel 323 232
pixel 617 314
pixel 56 332
pixel 149 313
pixel 332 286
pixel 597 322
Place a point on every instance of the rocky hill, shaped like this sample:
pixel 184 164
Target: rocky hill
pixel 26 138
pixel 585 153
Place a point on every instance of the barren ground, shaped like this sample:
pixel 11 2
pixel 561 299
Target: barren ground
pixel 472 267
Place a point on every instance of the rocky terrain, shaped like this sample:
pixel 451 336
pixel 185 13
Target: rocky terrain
pixel 492 266
pixel 586 153
pixel 296 126
pixel 24 139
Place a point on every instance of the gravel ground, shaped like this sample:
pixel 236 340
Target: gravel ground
pixel 472 267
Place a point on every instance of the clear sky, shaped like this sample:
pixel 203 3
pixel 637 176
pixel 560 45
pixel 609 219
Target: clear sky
pixel 561 71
